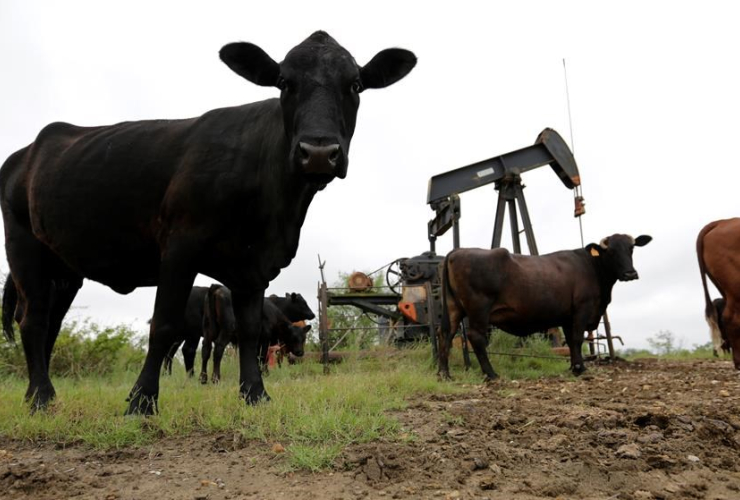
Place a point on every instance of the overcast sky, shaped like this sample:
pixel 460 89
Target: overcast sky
pixel 655 100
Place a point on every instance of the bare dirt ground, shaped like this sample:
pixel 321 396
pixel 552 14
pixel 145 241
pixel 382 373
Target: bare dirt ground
pixel 641 430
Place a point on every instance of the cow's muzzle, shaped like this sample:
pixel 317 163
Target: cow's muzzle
pixel 323 162
pixel 629 276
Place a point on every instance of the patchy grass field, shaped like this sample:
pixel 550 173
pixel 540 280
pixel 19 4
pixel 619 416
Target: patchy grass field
pixel 383 426
pixel 316 416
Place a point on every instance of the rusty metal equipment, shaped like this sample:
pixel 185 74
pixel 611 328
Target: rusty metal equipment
pixel 359 282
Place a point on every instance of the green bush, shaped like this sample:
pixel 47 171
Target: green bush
pixel 82 349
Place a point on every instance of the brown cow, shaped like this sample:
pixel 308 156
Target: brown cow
pixel 524 294
pixel 717 249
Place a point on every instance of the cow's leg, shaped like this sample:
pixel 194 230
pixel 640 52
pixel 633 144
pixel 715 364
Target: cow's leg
pixel 731 329
pixel 35 297
pixel 574 337
pixel 479 341
pixel 205 354
pixel 63 294
pixel 248 312
pixel 170 356
pixel 188 354
pixel 445 334
pixel 176 278
pixel 32 268
pixel 264 348
pixel 218 354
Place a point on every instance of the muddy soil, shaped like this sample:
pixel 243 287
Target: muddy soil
pixel 643 430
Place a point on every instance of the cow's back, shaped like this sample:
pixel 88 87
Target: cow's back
pixel 719 247
pixel 522 294
pixel 106 198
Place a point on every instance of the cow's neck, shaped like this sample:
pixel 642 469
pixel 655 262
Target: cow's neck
pixel 606 279
pixel 290 196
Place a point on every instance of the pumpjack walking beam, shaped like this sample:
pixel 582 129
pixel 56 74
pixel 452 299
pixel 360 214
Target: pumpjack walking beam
pixel 505 171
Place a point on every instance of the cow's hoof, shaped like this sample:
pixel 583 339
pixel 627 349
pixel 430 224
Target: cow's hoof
pixel 142 405
pixel 215 380
pixel 491 380
pixel 203 378
pixel 253 398
pixel 40 398
pixel 578 369
pixel 444 376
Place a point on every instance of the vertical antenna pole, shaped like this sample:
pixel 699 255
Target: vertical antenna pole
pixel 577 190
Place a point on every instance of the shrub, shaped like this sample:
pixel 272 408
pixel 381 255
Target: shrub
pixel 82 348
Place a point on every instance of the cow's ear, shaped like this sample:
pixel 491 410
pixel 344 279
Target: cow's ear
pixel 251 62
pixel 594 250
pixel 292 297
pixel 643 240
pixel 386 68
pixel 306 328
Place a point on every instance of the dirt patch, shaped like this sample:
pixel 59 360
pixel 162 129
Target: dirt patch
pixel 643 430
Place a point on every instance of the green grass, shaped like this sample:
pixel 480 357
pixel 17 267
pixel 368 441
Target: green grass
pixel 703 352
pixel 314 416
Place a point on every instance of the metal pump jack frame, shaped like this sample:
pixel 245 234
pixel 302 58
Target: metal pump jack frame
pixel 505 173
pixel 510 191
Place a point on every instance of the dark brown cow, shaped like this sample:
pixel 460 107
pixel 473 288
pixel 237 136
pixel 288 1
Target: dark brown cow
pixel 717 248
pixel 523 294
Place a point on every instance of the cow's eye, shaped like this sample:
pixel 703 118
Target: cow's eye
pixel 357 86
pixel 281 83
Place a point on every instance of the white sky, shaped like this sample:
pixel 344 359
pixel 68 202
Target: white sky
pixel 654 91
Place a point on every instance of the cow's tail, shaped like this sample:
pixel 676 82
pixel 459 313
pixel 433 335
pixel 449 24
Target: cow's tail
pixel 710 311
pixel 10 300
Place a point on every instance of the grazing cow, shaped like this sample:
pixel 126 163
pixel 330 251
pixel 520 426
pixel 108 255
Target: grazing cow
pixel 717 250
pixel 293 306
pixel 219 328
pixel 155 202
pixel 523 294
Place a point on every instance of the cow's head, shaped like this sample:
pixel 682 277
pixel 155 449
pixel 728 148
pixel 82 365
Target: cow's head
pixel 616 252
pixel 298 306
pixel 320 85
pixel 295 339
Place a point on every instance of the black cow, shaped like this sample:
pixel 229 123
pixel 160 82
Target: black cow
pixel 524 294
pixel 219 330
pixel 293 306
pixel 154 203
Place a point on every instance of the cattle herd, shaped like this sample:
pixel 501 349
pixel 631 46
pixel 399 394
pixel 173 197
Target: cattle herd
pixel 156 202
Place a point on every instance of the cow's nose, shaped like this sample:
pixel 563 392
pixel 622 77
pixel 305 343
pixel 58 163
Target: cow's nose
pixel 319 159
pixel 630 275
pixel 298 353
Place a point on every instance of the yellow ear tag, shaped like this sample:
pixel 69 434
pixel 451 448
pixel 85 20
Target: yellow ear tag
pixel 594 252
